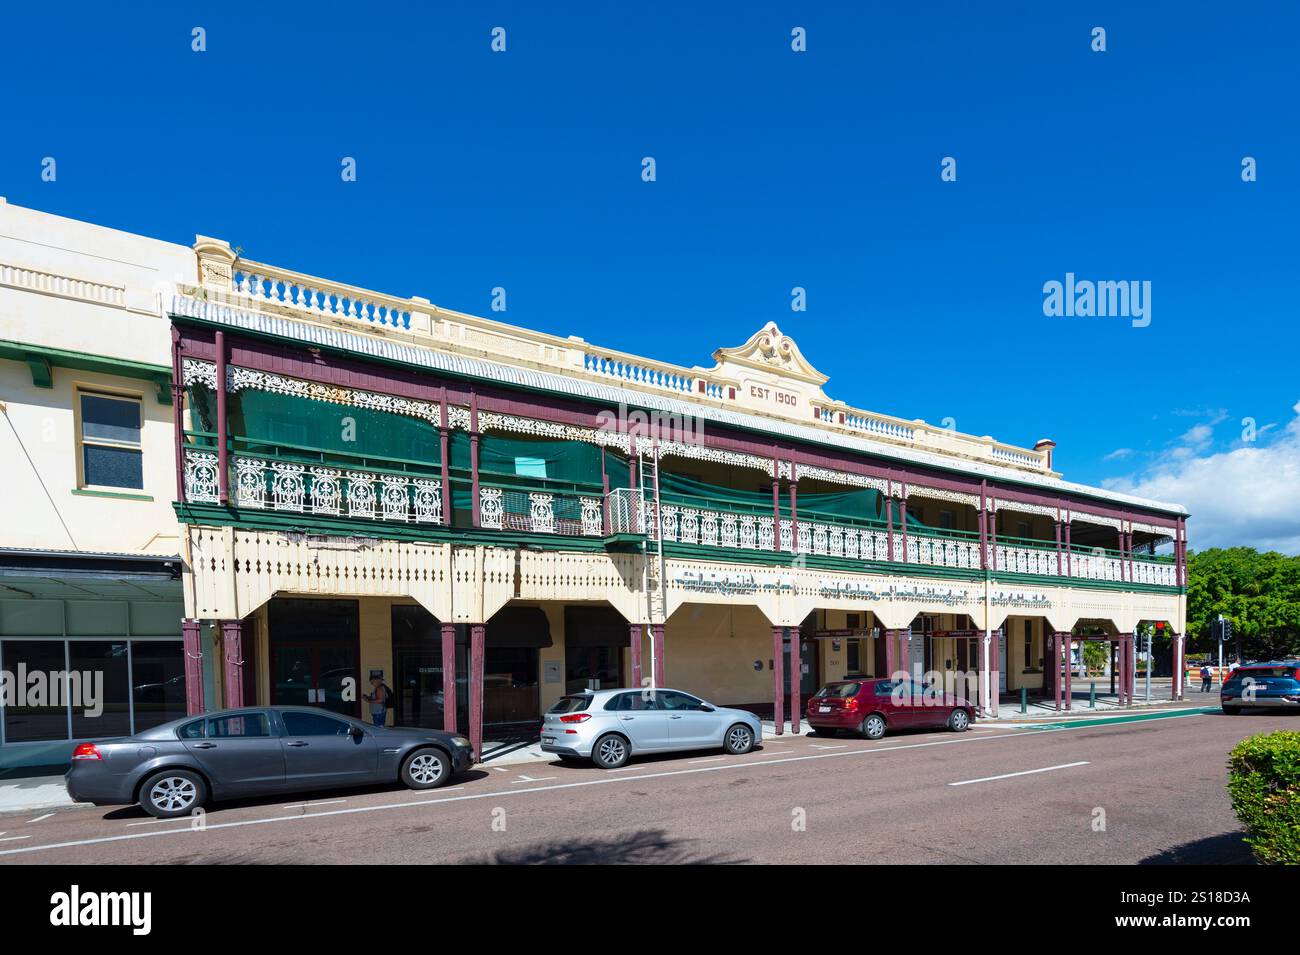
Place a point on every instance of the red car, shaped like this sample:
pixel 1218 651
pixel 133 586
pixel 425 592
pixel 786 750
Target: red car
pixel 870 707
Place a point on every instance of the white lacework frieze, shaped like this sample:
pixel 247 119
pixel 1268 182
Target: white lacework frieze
pixel 1152 529
pixel 495 421
pixel 195 371
pixel 699 452
pixel 1086 518
pixel 940 494
pixel 832 476
pixel 1001 504
pixel 293 488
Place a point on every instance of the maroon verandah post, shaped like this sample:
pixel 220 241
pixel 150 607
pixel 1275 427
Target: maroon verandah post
pixel 178 415
pixel 446 464
pixel 902 519
pixel 634 645
pixel 796 674
pixel 223 451
pixel 778 680
pixel 232 652
pixel 476 637
pixel 193 646
pixel 473 464
pixel 794 512
pixel 1069 670
pixel 449 677
pixel 776 507
pixel 1057 676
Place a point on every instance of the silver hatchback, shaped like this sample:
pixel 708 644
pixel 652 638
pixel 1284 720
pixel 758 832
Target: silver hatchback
pixel 608 726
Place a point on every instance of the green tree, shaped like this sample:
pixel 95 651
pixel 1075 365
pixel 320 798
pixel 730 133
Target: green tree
pixel 1258 592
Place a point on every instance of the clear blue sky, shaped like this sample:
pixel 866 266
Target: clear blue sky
pixel 775 170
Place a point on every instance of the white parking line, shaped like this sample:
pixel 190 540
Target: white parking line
pixel 529 779
pixel 1026 772
pixel 39 818
pixel 711 759
pixel 307 805
pixel 14 838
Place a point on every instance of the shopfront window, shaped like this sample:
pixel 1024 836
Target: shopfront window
pixel 28 713
pixel 88 689
pixel 93 661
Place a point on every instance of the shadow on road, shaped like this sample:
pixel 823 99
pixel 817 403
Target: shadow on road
pixel 647 847
pixel 1224 849
pixel 298 798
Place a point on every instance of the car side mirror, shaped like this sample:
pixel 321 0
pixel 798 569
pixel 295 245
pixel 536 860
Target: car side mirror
pixel 357 732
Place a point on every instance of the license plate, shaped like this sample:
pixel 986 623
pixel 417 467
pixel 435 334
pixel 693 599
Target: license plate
pixel 823 709
pixel 548 739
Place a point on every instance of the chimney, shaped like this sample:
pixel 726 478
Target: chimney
pixel 1046 445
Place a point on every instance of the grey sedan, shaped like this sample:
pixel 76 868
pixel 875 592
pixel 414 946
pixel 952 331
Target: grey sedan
pixel 608 726
pixel 173 769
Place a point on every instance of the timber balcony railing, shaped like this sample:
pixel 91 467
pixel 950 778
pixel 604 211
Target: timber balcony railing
pixel 409 493
pixel 698 523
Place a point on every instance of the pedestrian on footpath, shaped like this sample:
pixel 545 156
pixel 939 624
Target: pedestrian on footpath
pixel 380 700
pixel 1206 675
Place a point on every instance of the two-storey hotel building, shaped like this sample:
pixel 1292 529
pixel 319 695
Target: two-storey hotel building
pixel 488 517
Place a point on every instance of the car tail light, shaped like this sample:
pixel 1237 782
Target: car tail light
pixel 575 718
pixel 851 703
pixel 86 751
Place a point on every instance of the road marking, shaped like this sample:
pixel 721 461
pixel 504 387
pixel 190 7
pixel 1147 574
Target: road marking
pixel 39 818
pixel 605 780
pixel 710 759
pixel 1027 772
pixel 830 746
pixel 14 838
pixel 307 805
pixel 529 779
pixel 501 769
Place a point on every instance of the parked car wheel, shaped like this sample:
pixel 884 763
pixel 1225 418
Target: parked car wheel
pixel 426 768
pixel 738 740
pixel 958 721
pixel 873 727
pixel 173 793
pixel 610 752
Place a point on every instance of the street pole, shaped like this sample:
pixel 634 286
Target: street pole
pixel 1220 670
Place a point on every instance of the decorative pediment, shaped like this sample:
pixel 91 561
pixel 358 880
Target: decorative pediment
pixel 772 351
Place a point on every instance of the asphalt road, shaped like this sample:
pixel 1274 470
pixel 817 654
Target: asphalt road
pixel 1137 792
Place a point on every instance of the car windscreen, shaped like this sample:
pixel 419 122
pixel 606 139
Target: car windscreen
pixel 570 704
pixel 839 689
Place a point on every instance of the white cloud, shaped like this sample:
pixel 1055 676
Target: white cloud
pixel 1119 453
pixel 1247 496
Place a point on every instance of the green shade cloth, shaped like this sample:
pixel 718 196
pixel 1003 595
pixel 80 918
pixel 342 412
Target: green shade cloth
pixel 295 426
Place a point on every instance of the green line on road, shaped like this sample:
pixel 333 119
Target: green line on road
pixel 1135 718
